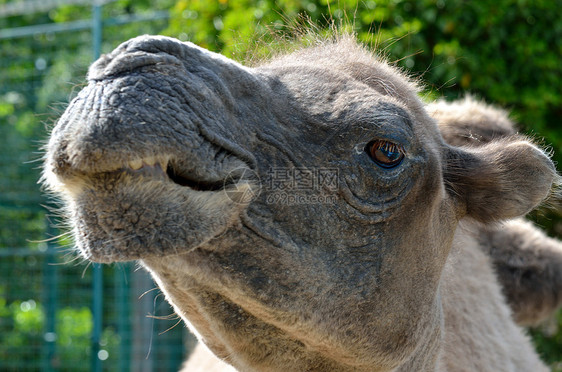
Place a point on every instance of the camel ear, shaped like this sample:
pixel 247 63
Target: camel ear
pixel 500 180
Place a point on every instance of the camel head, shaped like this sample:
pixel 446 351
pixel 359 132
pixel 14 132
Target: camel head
pixel 298 214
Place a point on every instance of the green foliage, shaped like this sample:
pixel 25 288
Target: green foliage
pixel 74 328
pixel 72 336
pixel 548 343
pixel 22 323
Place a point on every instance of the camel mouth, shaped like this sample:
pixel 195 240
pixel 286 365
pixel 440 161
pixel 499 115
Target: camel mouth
pixel 151 207
pixel 167 169
pixel 185 180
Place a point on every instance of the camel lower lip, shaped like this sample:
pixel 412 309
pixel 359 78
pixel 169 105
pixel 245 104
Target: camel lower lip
pixel 130 214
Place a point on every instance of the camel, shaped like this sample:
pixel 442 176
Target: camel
pixel 306 214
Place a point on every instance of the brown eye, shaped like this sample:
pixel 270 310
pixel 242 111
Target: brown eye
pixel 385 153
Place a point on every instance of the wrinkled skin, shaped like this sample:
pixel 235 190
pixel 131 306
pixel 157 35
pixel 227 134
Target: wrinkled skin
pixel 155 157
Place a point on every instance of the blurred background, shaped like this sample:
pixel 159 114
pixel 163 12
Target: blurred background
pixel 58 313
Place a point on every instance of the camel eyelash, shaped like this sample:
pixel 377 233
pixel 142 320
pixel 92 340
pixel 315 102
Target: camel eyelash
pixel 389 146
pixel 385 154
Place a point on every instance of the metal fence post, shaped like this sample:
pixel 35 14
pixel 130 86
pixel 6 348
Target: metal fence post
pixel 122 277
pixel 48 351
pixel 97 284
pixel 97 309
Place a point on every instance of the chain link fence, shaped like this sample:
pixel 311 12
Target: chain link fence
pixel 57 312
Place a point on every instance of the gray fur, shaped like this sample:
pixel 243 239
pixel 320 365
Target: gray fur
pixel 470 122
pixel 527 262
pixel 379 279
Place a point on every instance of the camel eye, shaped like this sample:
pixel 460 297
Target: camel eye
pixel 385 153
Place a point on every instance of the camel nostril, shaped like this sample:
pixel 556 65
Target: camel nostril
pixel 136 55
